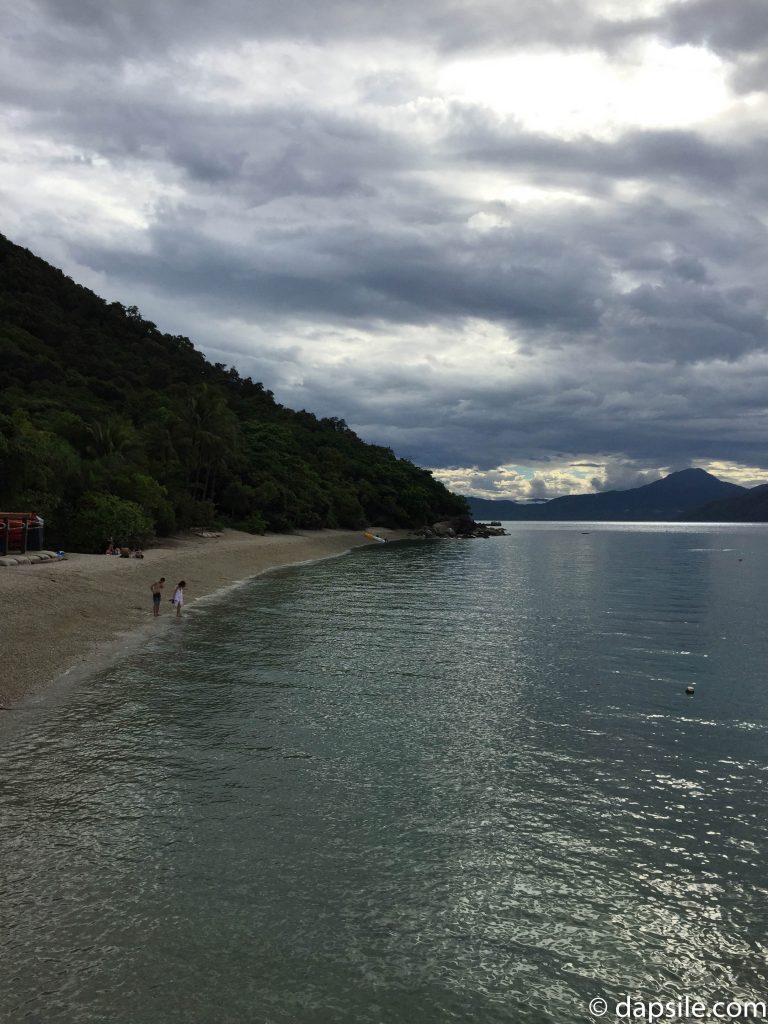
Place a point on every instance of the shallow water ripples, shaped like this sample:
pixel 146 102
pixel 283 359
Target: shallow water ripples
pixel 407 785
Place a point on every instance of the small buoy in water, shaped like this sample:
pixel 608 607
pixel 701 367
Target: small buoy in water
pixel 690 689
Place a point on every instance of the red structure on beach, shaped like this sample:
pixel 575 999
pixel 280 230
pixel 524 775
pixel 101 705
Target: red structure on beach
pixel 20 532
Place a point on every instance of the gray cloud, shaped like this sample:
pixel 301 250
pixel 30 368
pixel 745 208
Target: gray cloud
pixel 620 315
pixel 655 414
pixel 718 25
pixel 104 26
pixel 99 30
pixel 661 157
pixel 407 263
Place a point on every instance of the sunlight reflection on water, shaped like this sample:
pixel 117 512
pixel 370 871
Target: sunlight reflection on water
pixel 429 782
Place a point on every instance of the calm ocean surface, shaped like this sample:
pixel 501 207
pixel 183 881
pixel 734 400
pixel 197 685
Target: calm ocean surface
pixel 421 783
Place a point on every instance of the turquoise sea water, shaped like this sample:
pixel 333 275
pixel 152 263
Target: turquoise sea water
pixel 450 781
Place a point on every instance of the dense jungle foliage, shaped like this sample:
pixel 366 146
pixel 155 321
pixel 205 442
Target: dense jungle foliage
pixel 108 427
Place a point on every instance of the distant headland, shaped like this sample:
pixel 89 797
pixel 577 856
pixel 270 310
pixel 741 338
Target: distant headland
pixel 115 432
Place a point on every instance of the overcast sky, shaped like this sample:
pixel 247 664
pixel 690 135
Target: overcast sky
pixel 522 242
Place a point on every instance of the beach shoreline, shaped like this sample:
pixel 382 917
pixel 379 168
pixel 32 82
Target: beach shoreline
pixel 61 618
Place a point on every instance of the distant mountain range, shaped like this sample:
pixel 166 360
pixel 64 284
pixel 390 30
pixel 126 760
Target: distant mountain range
pixel 691 494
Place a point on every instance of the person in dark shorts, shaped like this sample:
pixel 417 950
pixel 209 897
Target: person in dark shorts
pixel 156 588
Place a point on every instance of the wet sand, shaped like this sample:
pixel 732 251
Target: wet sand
pixel 60 616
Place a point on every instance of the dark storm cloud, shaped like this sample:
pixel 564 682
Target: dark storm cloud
pixel 407 273
pixel 259 152
pixel 656 415
pixel 89 27
pixel 720 25
pixel 661 157
pixel 688 322
pixel 102 29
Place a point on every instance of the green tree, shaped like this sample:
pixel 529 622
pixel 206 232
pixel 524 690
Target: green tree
pixel 98 517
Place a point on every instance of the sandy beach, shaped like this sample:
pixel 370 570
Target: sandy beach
pixel 64 615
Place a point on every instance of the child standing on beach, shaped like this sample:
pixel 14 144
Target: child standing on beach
pixel 156 589
pixel 178 597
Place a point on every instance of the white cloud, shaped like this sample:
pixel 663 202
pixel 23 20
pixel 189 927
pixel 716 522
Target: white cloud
pixel 746 476
pixel 544 482
pixel 571 94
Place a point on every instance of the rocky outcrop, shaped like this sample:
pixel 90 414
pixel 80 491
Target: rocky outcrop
pixel 460 527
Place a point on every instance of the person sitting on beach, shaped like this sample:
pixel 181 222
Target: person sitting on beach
pixel 137 552
pixel 110 549
pixel 156 589
pixel 178 597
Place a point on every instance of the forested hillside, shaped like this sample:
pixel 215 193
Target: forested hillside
pixel 109 426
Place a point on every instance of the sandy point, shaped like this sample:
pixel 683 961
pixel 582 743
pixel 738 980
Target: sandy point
pixel 61 615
